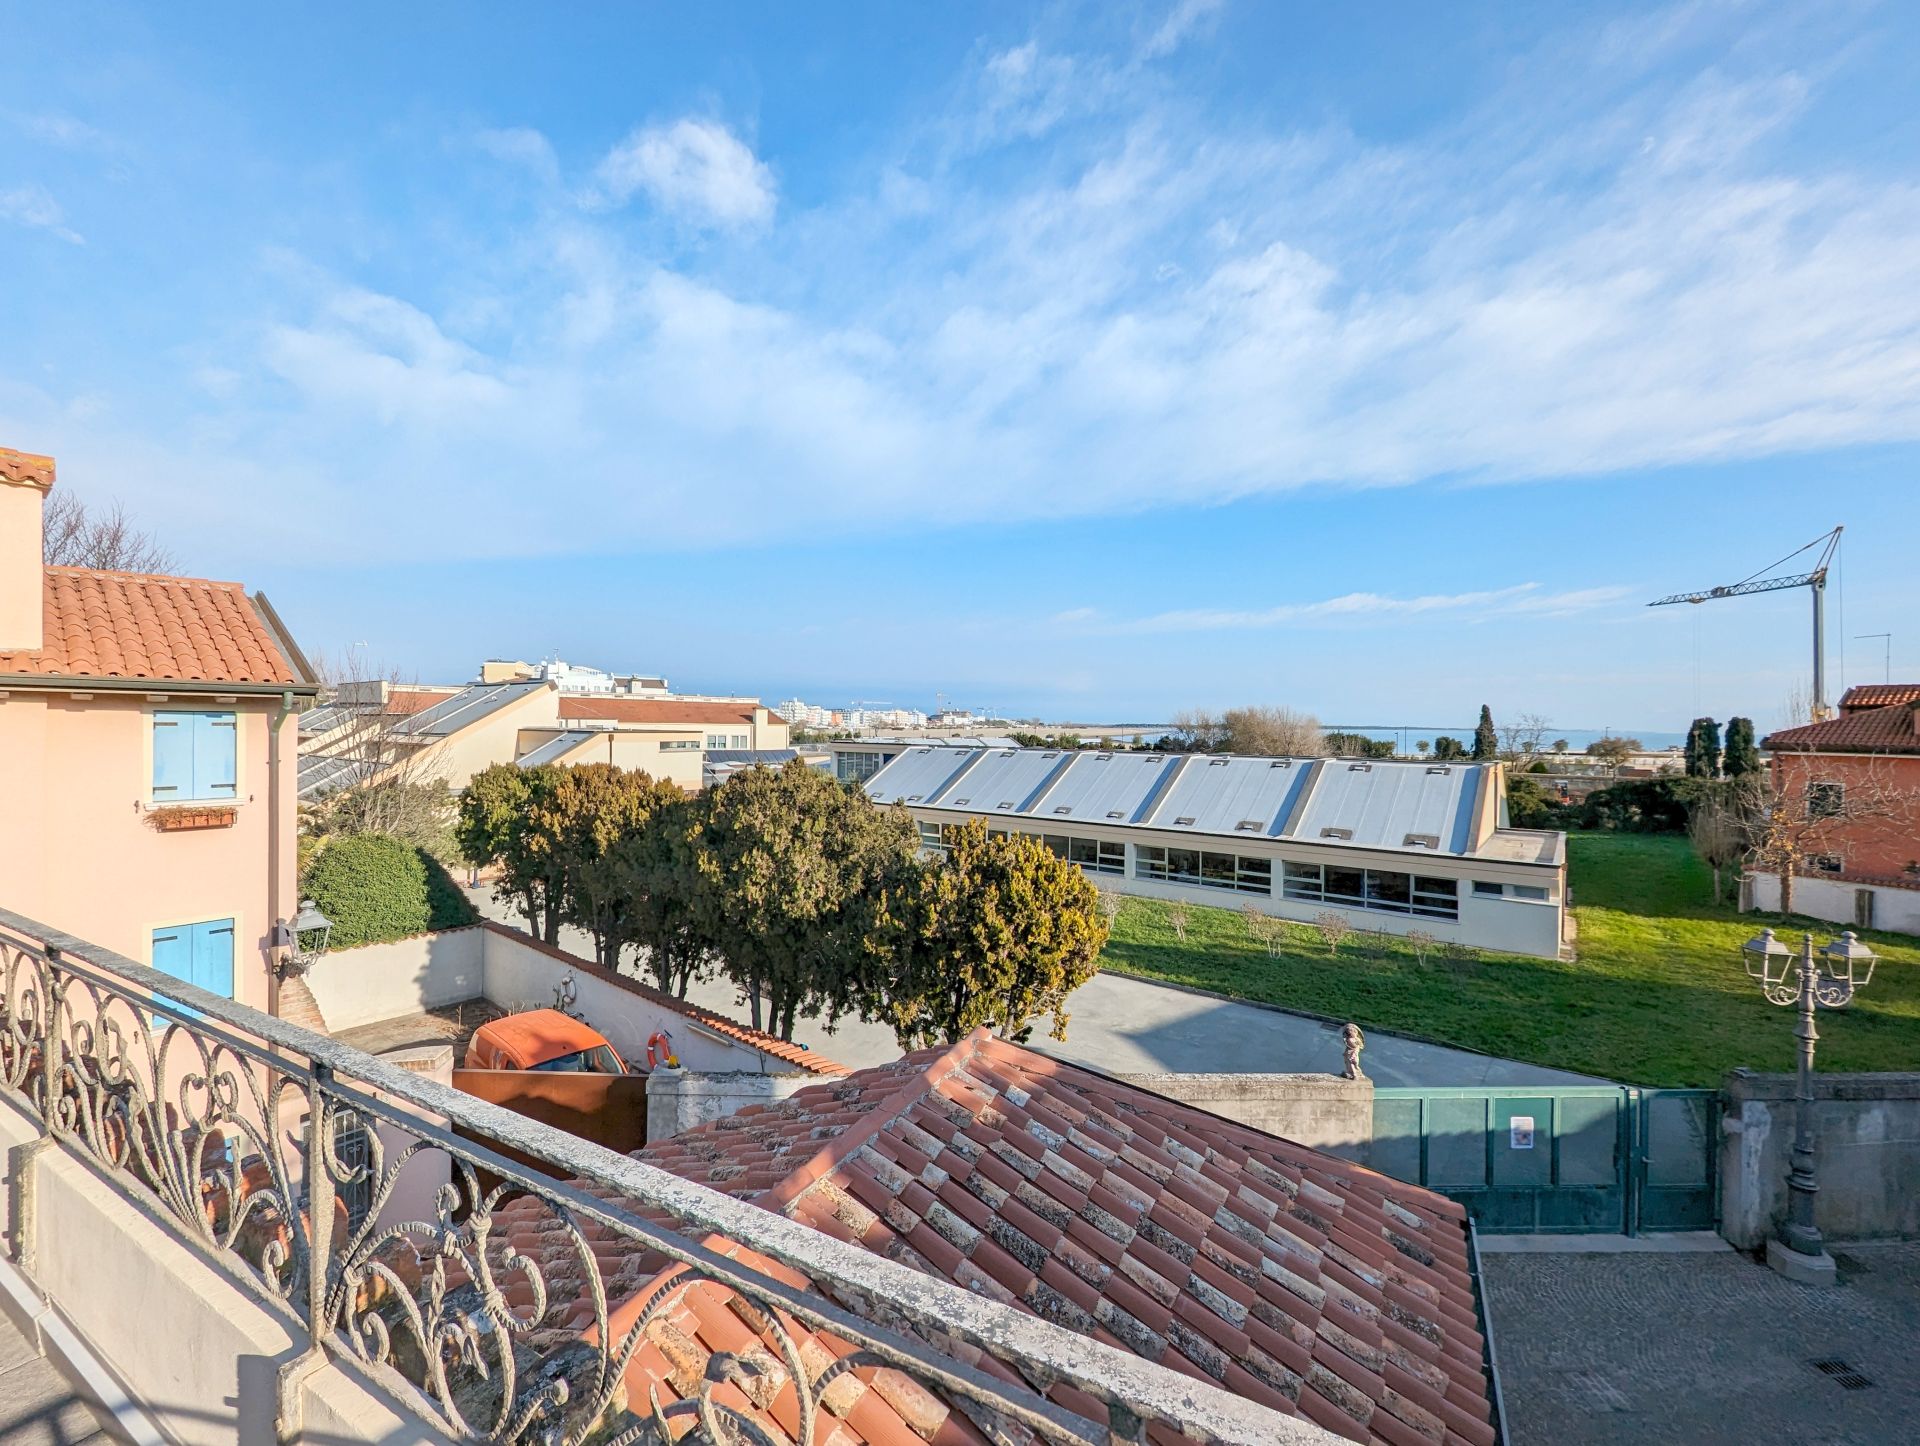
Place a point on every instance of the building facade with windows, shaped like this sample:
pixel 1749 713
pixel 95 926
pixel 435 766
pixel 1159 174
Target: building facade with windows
pixel 1391 846
pixel 1855 781
pixel 147 725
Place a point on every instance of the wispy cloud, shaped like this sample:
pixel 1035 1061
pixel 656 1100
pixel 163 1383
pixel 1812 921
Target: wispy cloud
pixel 696 169
pixel 33 206
pixel 1523 599
pixel 1613 262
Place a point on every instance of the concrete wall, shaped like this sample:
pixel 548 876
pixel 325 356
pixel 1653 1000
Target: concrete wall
pixel 1867 1128
pixel 112 1273
pixel 1323 1111
pixel 679 1099
pixel 389 981
pixel 78 849
pixel 1894 909
pixel 522 973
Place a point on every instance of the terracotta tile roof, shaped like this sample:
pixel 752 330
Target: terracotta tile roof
pixel 402 702
pixel 797 1055
pixel 1891 729
pixel 26 469
pixel 139 625
pixel 655 710
pixel 1289 1277
pixel 1878 695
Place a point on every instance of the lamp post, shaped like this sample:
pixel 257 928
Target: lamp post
pixel 302 942
pixel 1844 967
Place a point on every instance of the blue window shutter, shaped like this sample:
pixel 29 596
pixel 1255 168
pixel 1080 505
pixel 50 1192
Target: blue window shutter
pixel 213 957
pixel 215 746
pixel 173 750
pixel 173 951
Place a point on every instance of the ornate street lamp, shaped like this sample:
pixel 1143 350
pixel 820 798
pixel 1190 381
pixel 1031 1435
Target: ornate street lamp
pixel 304 941
pixel 1844 966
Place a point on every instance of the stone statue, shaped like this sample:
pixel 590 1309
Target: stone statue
pixel 1356 1041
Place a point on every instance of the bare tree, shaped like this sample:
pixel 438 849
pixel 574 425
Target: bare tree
pixel 1334 928
pixel 373 776
pixel 1614 751
pixel 1520 740
pixel 1421 942
pixel 74 535
pixel 1194 730
pixel 1274 732
pixel 1178 915
pixel 1718 829
pixel 1789 815
pixel 1263 928
pixel 1111 902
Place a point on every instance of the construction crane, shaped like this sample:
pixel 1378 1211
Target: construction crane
pixel 1815 581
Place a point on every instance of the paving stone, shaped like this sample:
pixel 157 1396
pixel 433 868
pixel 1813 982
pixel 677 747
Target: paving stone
pixel 1706 1349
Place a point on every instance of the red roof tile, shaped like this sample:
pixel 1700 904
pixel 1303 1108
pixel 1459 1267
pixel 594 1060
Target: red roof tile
pixel 656 710
pixel 406 701
pixel 1310 1284
pixel 1894 728
pixel 26 469
pixel 138 625
pixel 1878 695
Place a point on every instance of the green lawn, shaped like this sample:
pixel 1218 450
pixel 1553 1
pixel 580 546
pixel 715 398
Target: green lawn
pixel 1657 997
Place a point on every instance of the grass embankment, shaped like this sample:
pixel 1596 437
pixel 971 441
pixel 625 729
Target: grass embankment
pixel 1657 997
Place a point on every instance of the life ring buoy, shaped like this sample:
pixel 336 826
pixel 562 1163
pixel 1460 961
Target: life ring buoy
pixel 660 1050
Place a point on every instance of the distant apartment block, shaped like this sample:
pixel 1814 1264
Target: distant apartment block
pixel 447 735
pixel 148 727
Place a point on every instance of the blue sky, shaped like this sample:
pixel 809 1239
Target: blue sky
pixel 1087 361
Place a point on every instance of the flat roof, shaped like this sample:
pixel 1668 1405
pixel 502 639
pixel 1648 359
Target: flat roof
pixel 466 707
pixel 1374 804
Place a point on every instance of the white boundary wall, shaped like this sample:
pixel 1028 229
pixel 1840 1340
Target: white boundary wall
pixel 389 981
pixel 1895 910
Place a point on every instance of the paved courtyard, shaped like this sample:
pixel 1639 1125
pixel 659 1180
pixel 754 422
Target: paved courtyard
pixel 1130 1026
pixel 1705 1349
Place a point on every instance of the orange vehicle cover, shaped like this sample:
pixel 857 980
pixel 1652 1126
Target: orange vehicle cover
pixel 521 1041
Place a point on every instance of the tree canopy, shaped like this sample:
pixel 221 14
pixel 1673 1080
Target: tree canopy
pixel 497 827
pixel 1703 749
pixel 1742 754
pixel 997 932
pixel 1486 739
pixel 790 865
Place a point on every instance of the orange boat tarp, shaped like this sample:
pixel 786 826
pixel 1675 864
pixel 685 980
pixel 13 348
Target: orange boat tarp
pixel 521 1041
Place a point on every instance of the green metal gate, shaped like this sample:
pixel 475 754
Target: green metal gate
pixel 1578 1159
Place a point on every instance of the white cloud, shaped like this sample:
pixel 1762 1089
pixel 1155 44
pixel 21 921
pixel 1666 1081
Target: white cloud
pixel 1527 598
pixel 1182 20
pixel 695 169
pixel 33 206
pixel 1158 311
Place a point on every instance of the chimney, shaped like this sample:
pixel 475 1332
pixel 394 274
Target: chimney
pixel 24 480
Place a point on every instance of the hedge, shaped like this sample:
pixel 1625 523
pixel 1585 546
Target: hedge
pixel 376 889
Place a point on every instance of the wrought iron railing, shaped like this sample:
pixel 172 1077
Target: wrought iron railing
pixel 245 1133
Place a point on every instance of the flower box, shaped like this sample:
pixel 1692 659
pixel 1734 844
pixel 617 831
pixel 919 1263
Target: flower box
pixel 177 820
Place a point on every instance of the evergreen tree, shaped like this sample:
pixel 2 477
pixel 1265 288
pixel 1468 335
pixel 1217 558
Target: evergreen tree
pixel 1448 749
pixel 1486 742
pixel 1742 755
pixel 997 933
pixel 1703 749
pixel 788 866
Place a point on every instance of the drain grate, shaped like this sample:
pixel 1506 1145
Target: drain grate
pixel 1841 1374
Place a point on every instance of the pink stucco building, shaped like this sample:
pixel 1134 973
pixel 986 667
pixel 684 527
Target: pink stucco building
pixel 147 756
